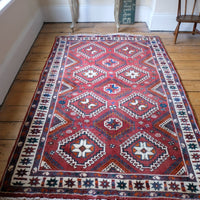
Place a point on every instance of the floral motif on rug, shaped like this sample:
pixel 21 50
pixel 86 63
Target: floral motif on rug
pixel 109 120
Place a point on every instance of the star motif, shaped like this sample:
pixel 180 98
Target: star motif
pixel 82 149
pixel 34 181
pixel 25 161
pixel 105 184
pixel 156 186
pixel 88 183
pixel 174 186
pixel 139 185
pixel 122 185
pixel 112 89
pixel 90 73
pixel 113 124
pixel 70 183
pixel 132 74
pixel 52 182
pixel 21 172
pixel 144 151
pixel 193 188
pixel 110 62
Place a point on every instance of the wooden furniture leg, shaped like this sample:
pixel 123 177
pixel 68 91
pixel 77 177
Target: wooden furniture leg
pixel 176 32
pixel 116 13
pixel 74 12
pixel 187 14
pixel 194 28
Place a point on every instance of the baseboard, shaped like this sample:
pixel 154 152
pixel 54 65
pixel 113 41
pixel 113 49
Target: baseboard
pixel 17 54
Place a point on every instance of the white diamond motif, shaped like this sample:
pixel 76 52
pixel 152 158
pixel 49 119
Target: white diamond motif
pixel 132 74
pixel 82 148
pixel 144 151
pixel 90 74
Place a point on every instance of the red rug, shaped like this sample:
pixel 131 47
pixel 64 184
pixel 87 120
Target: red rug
pixel 109 120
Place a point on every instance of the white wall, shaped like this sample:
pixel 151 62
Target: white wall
pixel 164 16
pixel 160 15
pixel 20 24
pixel 144 10
pixel 90 10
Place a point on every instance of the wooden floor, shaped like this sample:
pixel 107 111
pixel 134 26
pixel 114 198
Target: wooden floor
pixel 185 55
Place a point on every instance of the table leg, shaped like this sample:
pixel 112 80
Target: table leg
pixel 116 13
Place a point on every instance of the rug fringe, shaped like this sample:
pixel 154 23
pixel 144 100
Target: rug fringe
pixel 34 198
pixel 113 33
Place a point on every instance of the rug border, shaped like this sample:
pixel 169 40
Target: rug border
pixel 26 115
pixel 40 196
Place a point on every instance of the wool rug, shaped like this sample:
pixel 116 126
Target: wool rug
pixel 109 120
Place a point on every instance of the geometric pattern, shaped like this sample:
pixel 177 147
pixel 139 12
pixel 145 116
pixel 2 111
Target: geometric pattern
pixel 138 106
pixel 128 50
pixel 165 125
pixel 157 89
pixel 112 89
pixel 132 75
pixel 87 104
pixel 89 74
pixel 91 50
pixel 143 151
pixel 58 122
pixel 65 87
pixel 112 164
pixel 110 62
pixel 149 61
pixel 84 145
pixel 109 119
pixel 72 61
pixel 113 124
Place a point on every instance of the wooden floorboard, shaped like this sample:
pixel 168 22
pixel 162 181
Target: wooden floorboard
pixel 191 86
pixel 185 56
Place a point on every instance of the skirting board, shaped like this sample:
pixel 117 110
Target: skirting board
pixel 15 58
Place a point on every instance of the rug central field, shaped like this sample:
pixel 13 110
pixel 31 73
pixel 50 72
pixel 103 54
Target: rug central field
pixel 109 119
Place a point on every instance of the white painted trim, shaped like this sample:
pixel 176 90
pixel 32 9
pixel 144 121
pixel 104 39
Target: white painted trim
pixel 17 54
